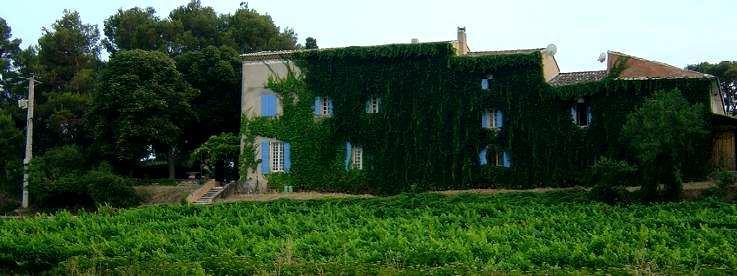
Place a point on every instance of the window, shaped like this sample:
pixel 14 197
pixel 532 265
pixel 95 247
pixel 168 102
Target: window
pixel 372 105
pixel 277 156
pixel 581 113
pixel 357 158
pixel 268 105
pixel 494 158
pixel 485 83
pixel 323 107
pixel 493 119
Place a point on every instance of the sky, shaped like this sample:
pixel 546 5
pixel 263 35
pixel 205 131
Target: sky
pixel 676 32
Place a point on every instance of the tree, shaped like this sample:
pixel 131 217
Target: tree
pixel 249 31
pixel 134 28
pixel 310 43
pixel 216 73
pixel 142 104
pixel 662 132
pixel 68 54
pixel 726 72
pixel 219 152
pixel 9 49
pixel 193 27
pixel 11 150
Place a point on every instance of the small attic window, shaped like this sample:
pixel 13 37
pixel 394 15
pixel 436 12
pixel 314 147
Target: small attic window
pixel 486 82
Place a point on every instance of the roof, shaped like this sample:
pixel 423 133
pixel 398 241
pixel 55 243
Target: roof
pixel 504 52
pixel 285 54
pixel 577 77
pixel 637 68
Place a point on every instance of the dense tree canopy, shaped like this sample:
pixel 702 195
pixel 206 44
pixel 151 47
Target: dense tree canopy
pixel 661 133
pixel 142 104
pixel 68 54
pixel 134 28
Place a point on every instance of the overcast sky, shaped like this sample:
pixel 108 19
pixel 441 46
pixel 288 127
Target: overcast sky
pixel 676 32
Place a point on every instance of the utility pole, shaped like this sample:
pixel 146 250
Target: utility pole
pixel 29 103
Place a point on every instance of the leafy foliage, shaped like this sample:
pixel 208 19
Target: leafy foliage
pixel 609 178
pixel 661 133
pixel 11 150
pixel 423 232
pixel 135 28
pixel 142 101
pixel 218 152
pixel 428 135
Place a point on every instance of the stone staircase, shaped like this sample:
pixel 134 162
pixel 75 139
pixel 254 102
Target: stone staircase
pixel 210 195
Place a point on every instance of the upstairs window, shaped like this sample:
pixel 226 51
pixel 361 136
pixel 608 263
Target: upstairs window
pixel 373 104
pixel 492 119
pixel 268 105
pixel 323 107
pixel 486 82
pixel 581 113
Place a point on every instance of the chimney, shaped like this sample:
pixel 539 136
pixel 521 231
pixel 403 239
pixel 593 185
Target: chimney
pixel 415 41
pixel 462 44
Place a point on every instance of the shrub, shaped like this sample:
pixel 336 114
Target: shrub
pixel 609 178
pixel 106 188
pixel 661 133
pixel 723 180
pixel 53 178
pixel 7 204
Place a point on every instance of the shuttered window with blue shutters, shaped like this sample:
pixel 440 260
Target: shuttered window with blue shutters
pixel 265 156
pixel 268 105
pixel 323 107
pixel 484 84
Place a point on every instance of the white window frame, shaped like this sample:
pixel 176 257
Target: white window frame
pixel 325 107
pixel 357 157
pixel 491 116
pixel 373 104
pixel 277 156
pixel 578 113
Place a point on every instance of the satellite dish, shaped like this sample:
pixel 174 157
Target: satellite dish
pixel 602 57
pixel 551 49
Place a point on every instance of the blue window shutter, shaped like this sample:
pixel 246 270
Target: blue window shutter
pixel 347 155
pixel 330 106
pixel 573 113
pixel 318 105
pixel 485 120
pixel 588 115
pixel 367 106
pixel 265 156
pixel 268 105
pixel 506 162
pixel 499 119
pixel 378 102
pixel 482 157
pixel 484 84
pixel 287 156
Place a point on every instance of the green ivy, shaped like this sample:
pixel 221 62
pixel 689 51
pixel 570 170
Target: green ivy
pixel 428 135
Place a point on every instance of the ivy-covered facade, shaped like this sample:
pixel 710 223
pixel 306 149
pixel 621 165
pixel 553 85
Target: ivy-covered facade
pixel 433 116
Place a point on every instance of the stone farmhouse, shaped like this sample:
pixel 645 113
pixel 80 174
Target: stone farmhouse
pixel 516 150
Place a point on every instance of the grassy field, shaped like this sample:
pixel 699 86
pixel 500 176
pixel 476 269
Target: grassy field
pixel 557 231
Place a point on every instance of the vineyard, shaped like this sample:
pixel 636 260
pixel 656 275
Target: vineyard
pixel 556 231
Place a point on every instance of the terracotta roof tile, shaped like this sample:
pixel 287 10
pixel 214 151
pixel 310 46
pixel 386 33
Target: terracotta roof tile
pixel 577 77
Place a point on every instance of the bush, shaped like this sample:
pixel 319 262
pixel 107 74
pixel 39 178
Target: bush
pixel 662 132
pixel 106 188
pixel 8 204
pixel 61 178
pixel 609 178
pixel 723 180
